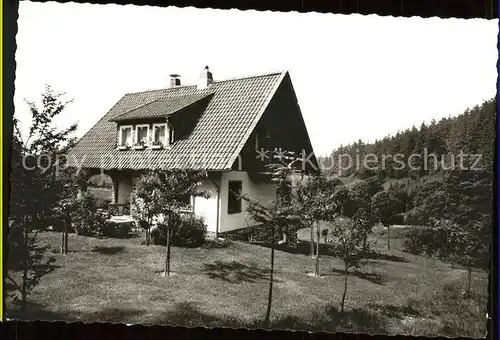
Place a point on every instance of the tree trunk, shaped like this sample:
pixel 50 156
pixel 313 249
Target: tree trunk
pixel 24 287
pixel 469 279
pixel 271 279
pixel 66 237
pixel 167 260
pixel 388 238
pixel 148 231
pixel 62 242
pixel 345 290
pixel 318 235
pixel 312 241
pixel 24 303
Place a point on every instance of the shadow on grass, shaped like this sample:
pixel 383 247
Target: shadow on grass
pixel 332 320
pixel 235 272
pixel 372 277
pixel 187 314
pixel 109 250
pixel 114 315
pixel 373 255
pixel 35 311
pixel 329 320
pixel 302 247
pixel 58 251
pixel 391 311
pixel 131 235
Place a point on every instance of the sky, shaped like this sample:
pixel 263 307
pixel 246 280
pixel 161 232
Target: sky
pixel 356 77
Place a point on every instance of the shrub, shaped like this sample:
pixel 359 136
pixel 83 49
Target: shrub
pixel 398 219
pixel 100 222
pixel 89 220
pixel 190 231
pixel 113 229
pixel 158 235
pixel 416 217
pixel 216 243
pixel 82 215
pixel 416 240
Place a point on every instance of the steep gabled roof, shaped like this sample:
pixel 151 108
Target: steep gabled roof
pixel 162 107
pixel 227 121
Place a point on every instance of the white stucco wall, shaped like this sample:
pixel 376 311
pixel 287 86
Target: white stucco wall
pixel 207 207
pixel 256 190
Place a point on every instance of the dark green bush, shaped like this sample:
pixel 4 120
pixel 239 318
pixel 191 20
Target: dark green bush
pixel 398 219
pixel 430 240
pixel 416 217
pixel 113 229
pixel 158 235
pixel 189 231
pixel 82 215
pixel 216 243
pixel 417 240
pixel 88 220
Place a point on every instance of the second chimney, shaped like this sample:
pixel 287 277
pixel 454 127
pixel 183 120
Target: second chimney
pixel 174 80
pixel 205 79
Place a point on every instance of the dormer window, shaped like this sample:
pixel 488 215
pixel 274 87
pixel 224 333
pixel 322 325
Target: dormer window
pixel 141 135
pixel 125 137
pixel 160 136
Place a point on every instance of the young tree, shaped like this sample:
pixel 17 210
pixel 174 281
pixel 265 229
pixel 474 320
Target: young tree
pixel 462 245
pixel 316 201
pixel 399 195
pixel 176 185
pixel 383 207
pixel 278 218
pixel 36 188
pixel 346 242
pixel 71 180
pixel 160 195
pixel 324 233
pixel 145 201
pixel 344 202
pixel 303 197
pixel 360 196
pixel 275 220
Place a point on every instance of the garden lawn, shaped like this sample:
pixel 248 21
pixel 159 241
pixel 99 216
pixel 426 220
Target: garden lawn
pixel 120 280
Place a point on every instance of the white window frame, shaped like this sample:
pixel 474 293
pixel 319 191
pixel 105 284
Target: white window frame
pixel 165 138
pixel 123 127
pixel 136 137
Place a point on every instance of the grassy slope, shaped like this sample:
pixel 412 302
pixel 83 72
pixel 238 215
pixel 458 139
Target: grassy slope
pixel 118 281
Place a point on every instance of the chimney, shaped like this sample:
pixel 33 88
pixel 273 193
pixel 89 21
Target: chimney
pixel 205 79
pixel 174 80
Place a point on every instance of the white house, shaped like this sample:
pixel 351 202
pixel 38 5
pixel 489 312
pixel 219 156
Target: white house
pixel 230 128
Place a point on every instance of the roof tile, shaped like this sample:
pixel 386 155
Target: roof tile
pixel 214 142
